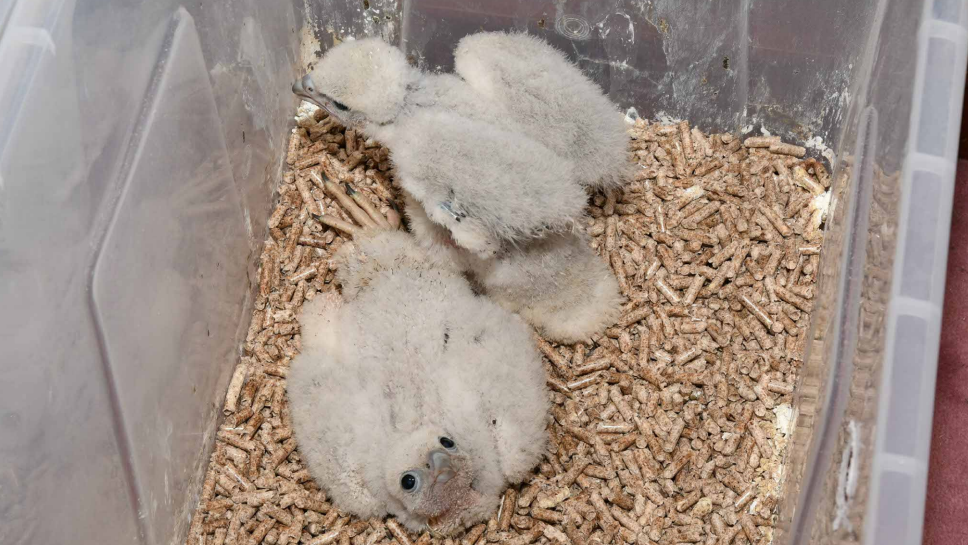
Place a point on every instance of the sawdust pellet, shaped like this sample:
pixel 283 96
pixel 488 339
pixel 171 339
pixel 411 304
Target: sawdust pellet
pixel 805 181
pixel 560 363
pixel 761 141
pixel 788 149
pixel 235 388
pixel 667 291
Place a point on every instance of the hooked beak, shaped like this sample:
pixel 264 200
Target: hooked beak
pixel 304 89
pixel 441 469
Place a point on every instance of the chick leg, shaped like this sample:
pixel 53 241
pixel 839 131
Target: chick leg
pixel 345 226
pixel 367 207
pixel 356 206
pixel 349 205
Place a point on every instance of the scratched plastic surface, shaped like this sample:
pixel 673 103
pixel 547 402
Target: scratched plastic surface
pixel 140 143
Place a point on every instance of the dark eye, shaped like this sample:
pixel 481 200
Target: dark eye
pixel 446 443
pixel 408 482
pixel 340 106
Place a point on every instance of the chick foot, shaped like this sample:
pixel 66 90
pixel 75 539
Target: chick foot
pixel 357 207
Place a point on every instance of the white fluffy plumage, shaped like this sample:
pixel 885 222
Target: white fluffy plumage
pixel 548 97
pixel 518 128
pixel 555 282
pixel 488 186
pixel 411 379
pixel 497 156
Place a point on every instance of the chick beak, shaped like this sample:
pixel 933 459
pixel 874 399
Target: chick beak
pixel 441 469
pixel 303 88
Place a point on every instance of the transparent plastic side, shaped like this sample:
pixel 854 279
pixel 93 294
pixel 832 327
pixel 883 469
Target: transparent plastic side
pixel 895 511
pixel 721 65
pixel 139 144
pixel 846 484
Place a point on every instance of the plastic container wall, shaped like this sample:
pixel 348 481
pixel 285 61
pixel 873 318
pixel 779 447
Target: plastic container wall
pixel 139 145
pixel 906 387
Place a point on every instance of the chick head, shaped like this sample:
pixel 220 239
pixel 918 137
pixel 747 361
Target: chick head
pixel 431 477
pixel 359 82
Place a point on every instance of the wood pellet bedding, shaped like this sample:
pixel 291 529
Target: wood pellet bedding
pixel 669 427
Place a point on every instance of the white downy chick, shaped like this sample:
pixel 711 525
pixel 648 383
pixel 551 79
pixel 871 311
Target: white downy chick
pixel 491 185
pixel 412 396
pixel 476 174
pixel 533 83
pixel 557 282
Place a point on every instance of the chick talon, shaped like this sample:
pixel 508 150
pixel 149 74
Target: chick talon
pixel 349 204
pixel 374 214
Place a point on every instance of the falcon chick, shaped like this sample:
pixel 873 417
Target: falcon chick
pixel 479 176
pixel 493 162
pixel 412 396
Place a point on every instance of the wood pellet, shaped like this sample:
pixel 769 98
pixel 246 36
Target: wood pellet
pixel 664 428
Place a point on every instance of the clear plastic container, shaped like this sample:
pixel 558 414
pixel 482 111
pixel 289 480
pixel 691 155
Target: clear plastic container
pixel 140 144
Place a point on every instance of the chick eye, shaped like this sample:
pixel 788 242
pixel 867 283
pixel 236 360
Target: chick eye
pixel 409 482
pixel 340 106
pixel 447 443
